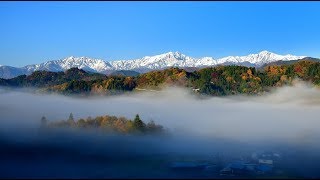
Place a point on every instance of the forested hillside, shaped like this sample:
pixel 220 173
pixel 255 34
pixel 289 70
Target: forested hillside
pixel 217 81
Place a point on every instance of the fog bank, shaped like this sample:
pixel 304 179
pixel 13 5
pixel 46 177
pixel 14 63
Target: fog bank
pixel 289 112
pixel 284 120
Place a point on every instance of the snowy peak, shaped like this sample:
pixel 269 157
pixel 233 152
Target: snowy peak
pixel 166 56
pixel 156 62
pixel 97 65
pixel 259 59
pixel 265 53
pixel 93 65
pixel 175 55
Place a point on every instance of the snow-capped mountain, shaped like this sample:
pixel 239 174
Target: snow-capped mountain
pixel 146 63
pixel 161 61
pixel 10 72
pixel 92 65
pixel 180 60
pixel 259 59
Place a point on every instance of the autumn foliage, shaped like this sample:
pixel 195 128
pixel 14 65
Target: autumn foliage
pixel 216 81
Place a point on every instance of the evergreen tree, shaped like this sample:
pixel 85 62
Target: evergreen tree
pixel 81 123
pixel 43 121
pixel 71 117
pixel 71 121
pixel 152 127
pixel 138 124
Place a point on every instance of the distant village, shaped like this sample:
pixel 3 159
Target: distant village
pixel 258 164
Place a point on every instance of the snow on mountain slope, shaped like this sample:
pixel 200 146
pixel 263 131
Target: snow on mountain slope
pixel 146 63
pixel 258 59
pixel 180 60
pixel 93 65
pixel 162 61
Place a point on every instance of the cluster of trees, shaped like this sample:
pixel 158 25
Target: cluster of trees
pixel 46 79
pixel 155 79
pixel 77 81
pixel 108 124
pixel 284 74
pixel 226 80
pixel 216 81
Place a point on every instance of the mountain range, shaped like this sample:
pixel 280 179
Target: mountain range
pixel 145 64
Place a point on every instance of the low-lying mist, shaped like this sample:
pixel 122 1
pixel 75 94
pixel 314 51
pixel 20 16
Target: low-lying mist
pixel 286 113
pixel 285 119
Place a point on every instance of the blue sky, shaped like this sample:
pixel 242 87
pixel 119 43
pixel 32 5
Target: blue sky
pixel 34 32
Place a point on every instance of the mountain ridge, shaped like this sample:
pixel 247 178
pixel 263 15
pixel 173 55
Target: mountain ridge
pixel 146 63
